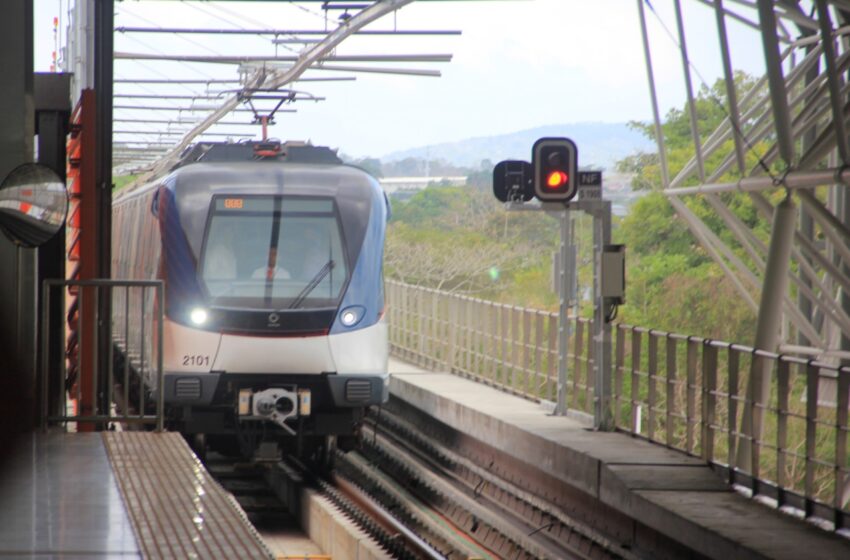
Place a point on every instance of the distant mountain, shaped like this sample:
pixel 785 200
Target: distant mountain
pixel 599 145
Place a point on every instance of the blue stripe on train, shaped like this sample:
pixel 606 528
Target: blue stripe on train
pixel 182 290
pixel 366 287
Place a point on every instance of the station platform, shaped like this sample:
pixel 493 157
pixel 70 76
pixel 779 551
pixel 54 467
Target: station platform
pixel 674 494
pixel 117 495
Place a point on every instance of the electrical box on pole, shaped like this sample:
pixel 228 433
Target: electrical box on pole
pixel 614 274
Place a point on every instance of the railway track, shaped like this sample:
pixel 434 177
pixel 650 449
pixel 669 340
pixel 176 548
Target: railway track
pixel 421 491
pixel 271 496
pixel 463 507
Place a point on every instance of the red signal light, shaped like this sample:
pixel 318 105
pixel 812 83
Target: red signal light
pixel 554 162
pixel 556 179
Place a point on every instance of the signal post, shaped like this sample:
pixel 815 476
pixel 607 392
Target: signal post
pixel 553 178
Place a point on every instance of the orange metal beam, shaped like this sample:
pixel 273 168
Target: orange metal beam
pixel 81 254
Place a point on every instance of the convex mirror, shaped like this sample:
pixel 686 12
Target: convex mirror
pixel 33 204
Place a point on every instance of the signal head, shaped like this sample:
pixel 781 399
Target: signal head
pixel 555 169
pixel 512 181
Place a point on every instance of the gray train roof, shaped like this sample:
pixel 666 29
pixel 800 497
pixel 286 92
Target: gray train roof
pixel 247 151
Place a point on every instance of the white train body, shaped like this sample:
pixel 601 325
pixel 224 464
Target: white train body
pixel 273 289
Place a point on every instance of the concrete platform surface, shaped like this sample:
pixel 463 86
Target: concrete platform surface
pixel 675 494
pixel 117 495
pixel 60 499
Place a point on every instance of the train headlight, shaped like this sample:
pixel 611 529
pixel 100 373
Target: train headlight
pixel 198 316
pixel 350 316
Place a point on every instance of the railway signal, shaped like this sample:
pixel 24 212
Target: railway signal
pixel 552 175
pixel 555 169
pixel 512 181
pixel 553 178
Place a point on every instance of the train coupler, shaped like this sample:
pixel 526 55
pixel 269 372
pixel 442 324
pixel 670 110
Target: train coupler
pixel 275 405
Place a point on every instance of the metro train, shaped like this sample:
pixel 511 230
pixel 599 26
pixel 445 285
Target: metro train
pixel 271 257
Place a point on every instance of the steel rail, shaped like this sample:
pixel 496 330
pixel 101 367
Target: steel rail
pixel 384 518
pixel 197 31
pixel 292 474
pixel 481 481
pixel 216 59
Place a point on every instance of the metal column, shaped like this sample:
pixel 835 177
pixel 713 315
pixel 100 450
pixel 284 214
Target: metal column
pixel 17 266
pixel 656 115
pixel 602 412
pixel 767 327
pixel 776 81
pixel 566 295
pixel 103 76
pixel 53 108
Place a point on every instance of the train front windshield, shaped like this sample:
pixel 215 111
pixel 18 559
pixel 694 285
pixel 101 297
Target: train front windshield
pixel 275 252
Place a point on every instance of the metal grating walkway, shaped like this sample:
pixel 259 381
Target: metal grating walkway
pixel 176 508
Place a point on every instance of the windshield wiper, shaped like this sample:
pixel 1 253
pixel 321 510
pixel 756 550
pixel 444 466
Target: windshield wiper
pixel 299 299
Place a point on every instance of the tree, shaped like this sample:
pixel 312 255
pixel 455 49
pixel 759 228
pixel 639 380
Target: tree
pixel 370 165
pixel 673 282
pixel 460 239
pixel 454 261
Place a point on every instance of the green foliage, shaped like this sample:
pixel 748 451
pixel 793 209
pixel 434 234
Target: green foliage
pixel 651 227
pixel 434 206
pixel 121 181
pixel 710 107
pixel 532 287
pixel 460 239
pixel 673 283
pixel 370 165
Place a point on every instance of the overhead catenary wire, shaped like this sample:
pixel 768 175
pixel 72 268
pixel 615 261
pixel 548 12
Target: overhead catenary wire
pixel 189 66
pixel 231 14
pixel 196 81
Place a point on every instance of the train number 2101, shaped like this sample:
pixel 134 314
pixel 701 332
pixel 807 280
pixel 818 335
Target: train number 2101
pixel 196 360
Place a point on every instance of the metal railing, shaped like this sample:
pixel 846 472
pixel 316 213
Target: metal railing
pixel 136 323
pixel 684 392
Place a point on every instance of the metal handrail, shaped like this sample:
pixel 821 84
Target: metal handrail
pixel 149 311
pixel 684 392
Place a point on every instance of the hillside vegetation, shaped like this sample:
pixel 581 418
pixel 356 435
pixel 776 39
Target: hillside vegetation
pixel 461 239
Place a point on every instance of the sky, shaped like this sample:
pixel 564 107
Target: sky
pixel 518 64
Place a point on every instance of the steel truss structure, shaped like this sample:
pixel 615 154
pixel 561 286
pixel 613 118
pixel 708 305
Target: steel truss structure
pixel 794 121
pixel 172 111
